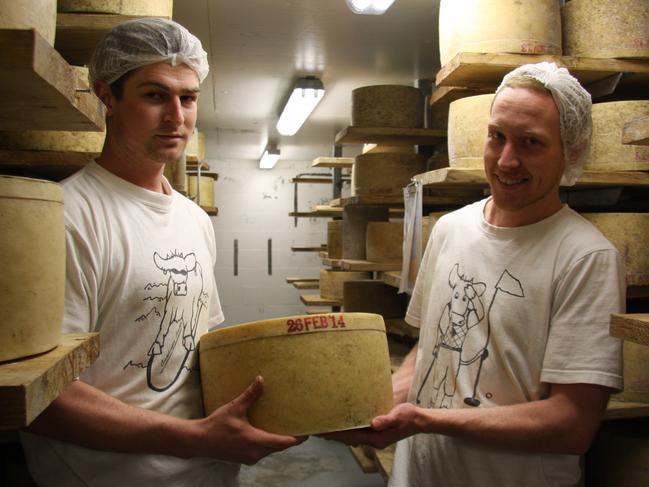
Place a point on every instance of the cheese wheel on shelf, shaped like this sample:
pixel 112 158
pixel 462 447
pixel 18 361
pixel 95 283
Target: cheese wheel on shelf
pixel 148 8
pixel 606 28
pixel 321 373
pixel 384 241
pixel 387 106
pixel 384 174
pixel 32 14
pixel 332 281
pixel 468 119
pixel 495 26
pixel 607 152
pixel 206 185
pixel 195 150
pixel 335 239
pixel 32 246
pixel 636 374
pixel 56 141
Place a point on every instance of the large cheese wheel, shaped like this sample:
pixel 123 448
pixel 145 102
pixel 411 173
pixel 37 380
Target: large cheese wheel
pixel 195 150
pixel 50 140
pixel 387 106
pixel 30 14
pixel 384 174
pixel 468 119
pixel 151 8
pixel 627 232
pixel 206 185
pixel 607 151
pixel 332 281
pixel 606 28
pixel 32 250
pixel 384 241
pixel 321 372
pixel 335 239
pixel 636 374
pixel 492 26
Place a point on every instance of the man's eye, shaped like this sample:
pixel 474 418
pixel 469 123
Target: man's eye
pixel 154 95
pixel 531 141
pixel 492 134
pixel 188 99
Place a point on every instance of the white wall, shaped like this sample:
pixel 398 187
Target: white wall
pixel 253 206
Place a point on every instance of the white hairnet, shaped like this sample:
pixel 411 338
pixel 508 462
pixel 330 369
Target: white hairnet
pixel 574 105
pixel 141 42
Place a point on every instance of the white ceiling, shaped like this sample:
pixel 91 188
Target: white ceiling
pixel 258 48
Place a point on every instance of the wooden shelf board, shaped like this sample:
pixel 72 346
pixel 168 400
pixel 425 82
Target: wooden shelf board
pixel 384 459
pixel 211 210
pixel 397 200
pixel 333 162
pixel 318 212
pixel 333 263
pixel 193 166
pixel 41 89
pixel 297 248
pixel 317 300
pixel 313 179
pixel 632 327
pixel 291 280
pixel 364 265
pixel 365 462
pixel 28 386
pixel 636 131
pixel 389 136
pixel 454 177
pixel 77 34
pixel 392 278
pixel 443 96
pixel 306 284
pixel 317 311
pixel 626 410
pixel 487 70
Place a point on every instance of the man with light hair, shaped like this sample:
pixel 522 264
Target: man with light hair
pixel 514 365
pixel 140 260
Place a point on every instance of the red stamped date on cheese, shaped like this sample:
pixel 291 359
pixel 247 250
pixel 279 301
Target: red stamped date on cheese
pixel 315 322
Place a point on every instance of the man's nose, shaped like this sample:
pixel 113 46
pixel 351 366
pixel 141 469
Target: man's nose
pixel 174 111
pixel 509 157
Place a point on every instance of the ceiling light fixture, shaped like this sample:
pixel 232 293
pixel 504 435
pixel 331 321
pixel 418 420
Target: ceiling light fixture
pixel 305 96
pixel 369 7
pixel 269 158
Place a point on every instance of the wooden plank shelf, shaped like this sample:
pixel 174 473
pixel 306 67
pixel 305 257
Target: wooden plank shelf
pixel 365 462
pixel 192 166
pixel 291 280
pixel 390 136
pixel 632 327
pixel 317 300
pixel 471 178
pixel 487 70
pixel 306 284
pixel 333 263
pixel 298 248
pixel 318 311
pixel 626 410
pixel 211 210
pixel 636 131
pixel 365 265
pixel 29 385
pixel 41 90
pixel 456 198
pixel 319 211
pixel 333 162
pixel 391 278
pixel 77 34
pixel 326 179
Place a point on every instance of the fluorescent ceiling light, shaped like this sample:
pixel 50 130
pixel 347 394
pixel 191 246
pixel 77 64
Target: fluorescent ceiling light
pixel 369 7
pixel 306 95
pixel 269 158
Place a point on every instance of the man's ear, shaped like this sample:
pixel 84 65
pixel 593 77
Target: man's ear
pixel 105 94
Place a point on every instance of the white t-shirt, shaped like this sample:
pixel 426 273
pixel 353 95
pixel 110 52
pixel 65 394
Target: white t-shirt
pixel 139 272
pixel 503 313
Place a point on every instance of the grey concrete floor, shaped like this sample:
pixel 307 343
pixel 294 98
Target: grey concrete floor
pixel 314 463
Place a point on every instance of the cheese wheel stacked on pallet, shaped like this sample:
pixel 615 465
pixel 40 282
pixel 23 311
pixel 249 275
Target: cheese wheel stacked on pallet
pixel 387 106
pixel 384 174
pixel 335 239
pixel 151 8
pixel 606 28
pixel 332 281
pixel 495 26
pixel 468 119
pixel 34 14
pixel 321 373
pixel 607 151
pixel 384 241
pixel 32 246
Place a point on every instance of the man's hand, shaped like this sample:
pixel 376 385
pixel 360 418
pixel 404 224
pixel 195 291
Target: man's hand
pixel 231 437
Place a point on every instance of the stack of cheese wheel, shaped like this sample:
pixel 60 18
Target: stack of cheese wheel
pixel 384 174
pixel 606 28
pixel 89 143
pixel 332 281
pixel 152 8
pixel 387 106
pixel 195 150
pixel 32 246
pixel 335 239
pixel 35 14
pixel 495 26
pixel 468 119
pixel 607 151
pixel 321 372
pixel 204 182
pixel 384 241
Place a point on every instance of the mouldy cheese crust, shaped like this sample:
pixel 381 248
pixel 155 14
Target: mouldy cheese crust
pixel 468 119
pixel 387 106
pixel 321 372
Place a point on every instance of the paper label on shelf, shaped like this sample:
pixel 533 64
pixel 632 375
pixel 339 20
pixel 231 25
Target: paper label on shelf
pixel 412 198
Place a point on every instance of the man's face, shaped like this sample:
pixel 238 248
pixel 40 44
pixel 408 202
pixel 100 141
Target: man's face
pixel 156 114
pixel 523 157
